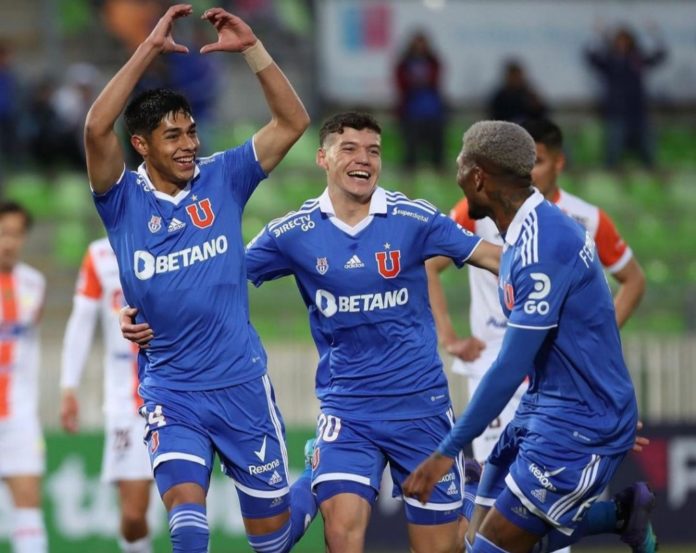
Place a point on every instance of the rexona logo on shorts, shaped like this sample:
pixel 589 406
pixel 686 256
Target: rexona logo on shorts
pixel 146 265
pixel 543 477
pixel 260 469
pixel 329 305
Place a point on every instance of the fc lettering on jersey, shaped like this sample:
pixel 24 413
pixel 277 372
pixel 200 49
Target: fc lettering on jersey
pixel 393 268
pixel 201 213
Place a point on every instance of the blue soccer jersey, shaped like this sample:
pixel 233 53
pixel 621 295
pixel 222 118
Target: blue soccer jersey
pixel 580 394
pixel 181 263
pixel 366 293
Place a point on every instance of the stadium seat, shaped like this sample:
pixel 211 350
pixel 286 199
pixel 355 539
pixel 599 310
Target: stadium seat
pixel 603 189
pixel 32 191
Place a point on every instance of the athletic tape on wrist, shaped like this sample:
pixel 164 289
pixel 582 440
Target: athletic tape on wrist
pixel 257 57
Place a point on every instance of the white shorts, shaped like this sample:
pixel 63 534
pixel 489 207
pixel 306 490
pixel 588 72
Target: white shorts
pixel 483 445
pixel 125 453
pixel 22 447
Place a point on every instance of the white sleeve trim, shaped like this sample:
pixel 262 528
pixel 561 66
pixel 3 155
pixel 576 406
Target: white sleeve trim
pixel 77 340
pixel 622 262
pixel 465 259
pixel 529 327
pixel 118 181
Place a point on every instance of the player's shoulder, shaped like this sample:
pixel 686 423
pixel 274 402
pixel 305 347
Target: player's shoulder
pixel 29 275
pixel 301 220
pixel 400 205
pixel 212 159
pixel 548 236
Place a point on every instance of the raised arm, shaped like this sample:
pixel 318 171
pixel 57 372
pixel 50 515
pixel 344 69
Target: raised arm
pixel 289 118
pixel 105 159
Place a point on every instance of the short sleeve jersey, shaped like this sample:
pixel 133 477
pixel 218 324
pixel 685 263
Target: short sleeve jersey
pixel 551 279
pixel 181 263
pixel 366 293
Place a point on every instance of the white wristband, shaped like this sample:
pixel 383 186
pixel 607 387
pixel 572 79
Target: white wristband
pixel 257 57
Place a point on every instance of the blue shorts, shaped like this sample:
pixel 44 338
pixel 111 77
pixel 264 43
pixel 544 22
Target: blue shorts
pixel 358 451
pixel 553 483
pixel 242 424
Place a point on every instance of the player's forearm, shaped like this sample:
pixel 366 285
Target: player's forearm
pixel 627 299
pixel 438 304
pixel 289 119
pixel 77 342
pixel 287 110
pixel 110 103
pixel 631 289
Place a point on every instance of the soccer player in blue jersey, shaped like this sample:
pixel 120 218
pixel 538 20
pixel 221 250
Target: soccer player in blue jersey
pixel 175 226
pixel 577 420
pixel 358 254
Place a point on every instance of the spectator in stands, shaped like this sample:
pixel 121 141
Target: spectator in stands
pixel 8 108
pixel 421 108
pixel 51 144
pixel 72 101
pixel 515 99
pixel 621 64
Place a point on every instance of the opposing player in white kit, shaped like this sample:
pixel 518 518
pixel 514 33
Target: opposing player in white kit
pixel 473 355
pixel 22 456
pixel 98 295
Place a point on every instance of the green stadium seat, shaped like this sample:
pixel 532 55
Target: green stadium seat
pixel 71 241
pixel 603 189
pixel 71 196
pixel 32 191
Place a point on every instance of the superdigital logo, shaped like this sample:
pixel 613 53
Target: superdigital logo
pixel 146 265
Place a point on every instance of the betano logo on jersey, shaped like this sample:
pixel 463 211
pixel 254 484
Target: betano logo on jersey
pixel 329 305
pixel 146 265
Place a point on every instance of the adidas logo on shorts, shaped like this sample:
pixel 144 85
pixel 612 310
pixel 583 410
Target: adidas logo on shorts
pixel 276 501
pixel 275 478
pixel 354 263
pixel 540 494
pixel 453 489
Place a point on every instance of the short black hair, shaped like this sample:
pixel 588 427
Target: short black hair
pixel 544 131
pixel 145 112
pixel 350 119
pixel 10 206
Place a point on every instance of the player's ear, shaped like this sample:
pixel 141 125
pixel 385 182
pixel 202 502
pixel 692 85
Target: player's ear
pixel 560 162
pixel 479 178
pixel 320 158
pixel 139 144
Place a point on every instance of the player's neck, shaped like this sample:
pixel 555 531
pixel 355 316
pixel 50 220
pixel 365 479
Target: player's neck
pixel 161 184
pixel 507 206
pixel 348 208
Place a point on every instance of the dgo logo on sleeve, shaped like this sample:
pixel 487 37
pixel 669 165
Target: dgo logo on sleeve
pixel 542 288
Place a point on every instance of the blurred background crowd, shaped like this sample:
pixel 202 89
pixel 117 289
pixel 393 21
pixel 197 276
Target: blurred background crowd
pixel 618 76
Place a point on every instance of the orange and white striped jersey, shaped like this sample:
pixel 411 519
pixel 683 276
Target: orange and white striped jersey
pixel 485 314
pixel 22 293
pixel 98 295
